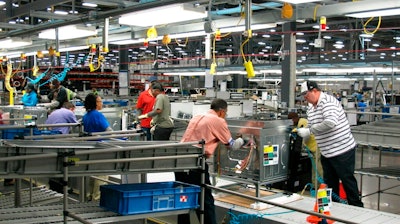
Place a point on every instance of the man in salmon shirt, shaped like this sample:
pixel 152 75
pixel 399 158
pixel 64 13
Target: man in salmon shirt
pixel 212 128
pixel 145 104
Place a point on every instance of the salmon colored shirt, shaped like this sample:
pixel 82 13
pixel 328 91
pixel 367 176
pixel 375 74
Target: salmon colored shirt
pixel 145 103
pixel 209 127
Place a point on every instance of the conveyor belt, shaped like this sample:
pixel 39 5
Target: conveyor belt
pixel 40 196
pixel 277 215
pixel 388 172
pixel 54 214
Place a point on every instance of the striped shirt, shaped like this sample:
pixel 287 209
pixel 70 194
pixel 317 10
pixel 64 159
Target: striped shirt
pixel 337 140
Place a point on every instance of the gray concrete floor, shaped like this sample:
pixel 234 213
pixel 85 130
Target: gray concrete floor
pixel 375 195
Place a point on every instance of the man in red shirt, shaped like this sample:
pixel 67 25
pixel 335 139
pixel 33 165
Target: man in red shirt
pixel 145 104
pixel 212 128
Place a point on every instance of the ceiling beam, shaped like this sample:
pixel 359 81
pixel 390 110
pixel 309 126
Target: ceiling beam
pixel 51 15
pixel 15 26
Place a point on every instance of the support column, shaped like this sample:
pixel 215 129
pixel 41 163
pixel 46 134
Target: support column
pixel 123 76
pixel 288 84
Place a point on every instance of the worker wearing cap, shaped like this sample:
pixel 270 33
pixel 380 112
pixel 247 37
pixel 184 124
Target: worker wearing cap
pixel 328 122
pixel 311 145
pixel 30 98
pixel 145 105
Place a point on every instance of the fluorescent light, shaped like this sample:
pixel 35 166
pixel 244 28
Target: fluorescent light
pixel 60 12
pixel 375 13
pixel 14 42
pixel 68 32
pixel 88 4
pixel 299 1
pixel 163 15
pixel 2 3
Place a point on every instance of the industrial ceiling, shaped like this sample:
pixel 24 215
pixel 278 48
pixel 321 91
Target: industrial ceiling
pixel 347 39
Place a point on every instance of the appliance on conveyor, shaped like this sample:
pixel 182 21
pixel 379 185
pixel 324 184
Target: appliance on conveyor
pixel 264 158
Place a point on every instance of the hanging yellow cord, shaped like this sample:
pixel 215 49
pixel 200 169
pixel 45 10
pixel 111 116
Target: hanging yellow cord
pixel 186 41
pixel 11 74
pixel 377 27
pixel 315 12
pixel 242 46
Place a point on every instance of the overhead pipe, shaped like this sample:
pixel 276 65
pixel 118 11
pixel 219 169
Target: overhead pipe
pixel 254 7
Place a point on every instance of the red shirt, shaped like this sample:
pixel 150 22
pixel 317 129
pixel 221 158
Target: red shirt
pixel 145 103
pixel 209 127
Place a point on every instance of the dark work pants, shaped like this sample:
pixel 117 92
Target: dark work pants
pixel 162 133
pixel 342 167
pixel 194 177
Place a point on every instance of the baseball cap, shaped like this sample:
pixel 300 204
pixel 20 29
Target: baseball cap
pixel 308 85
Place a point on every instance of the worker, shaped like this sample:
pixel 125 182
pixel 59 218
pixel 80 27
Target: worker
pixel 311 144
pixel 58 95
pixel 328 122
pixel 72 95
pixel 30 98
pixel 62 116
pixel 94 121
pixel 95 92
pixel 361 105
pixel 145 105
pixel 212 128
pixel 161 121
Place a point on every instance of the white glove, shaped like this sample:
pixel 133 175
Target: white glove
pixel 304 132
pixel 142 116
pixel 238 143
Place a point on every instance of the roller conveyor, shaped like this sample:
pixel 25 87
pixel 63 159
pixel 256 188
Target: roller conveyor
pixel 40 196
pixel 387 172
pixel 25 158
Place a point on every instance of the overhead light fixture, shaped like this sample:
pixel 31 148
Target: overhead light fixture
pixel 163 15
pixel 14 42
pixel 68 32
pixel 89 4
pixel 2 3
pixel 375 13
pixel 299 1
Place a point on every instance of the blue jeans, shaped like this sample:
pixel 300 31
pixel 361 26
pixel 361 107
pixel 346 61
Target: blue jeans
pixel 146 131
pixel 342 167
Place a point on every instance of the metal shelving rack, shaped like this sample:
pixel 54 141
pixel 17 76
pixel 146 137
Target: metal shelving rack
pixel 24 158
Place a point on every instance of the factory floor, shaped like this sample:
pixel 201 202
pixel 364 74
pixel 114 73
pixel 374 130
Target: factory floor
pixel 381 194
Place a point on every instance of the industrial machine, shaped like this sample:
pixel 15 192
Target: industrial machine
pixel 264 157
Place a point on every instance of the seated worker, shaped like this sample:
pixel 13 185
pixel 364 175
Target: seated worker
pixel 62 115
pixel 311 145
pixel 94 121
pixel 30 98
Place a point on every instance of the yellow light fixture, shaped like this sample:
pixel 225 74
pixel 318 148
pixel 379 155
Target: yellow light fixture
pixel 166 39
pixel 163 15
pixel 68 32
pixel 152 33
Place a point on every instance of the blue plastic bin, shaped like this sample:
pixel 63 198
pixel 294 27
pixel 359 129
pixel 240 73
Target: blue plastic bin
pixel 14 133
pixel 129 199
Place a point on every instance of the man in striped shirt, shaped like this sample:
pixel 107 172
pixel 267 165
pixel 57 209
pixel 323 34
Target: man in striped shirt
pixel 329 124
